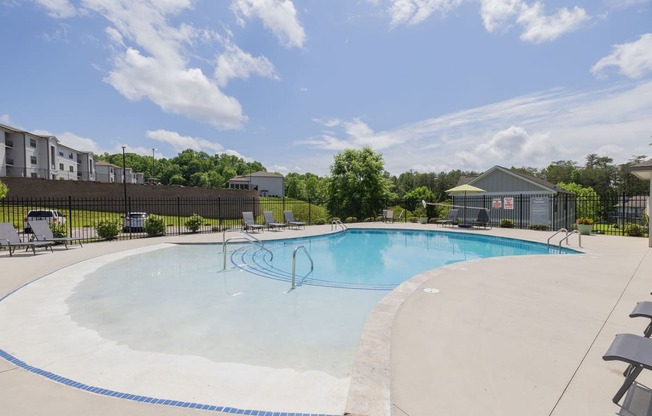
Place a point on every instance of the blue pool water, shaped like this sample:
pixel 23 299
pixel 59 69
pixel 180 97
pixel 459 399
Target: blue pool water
pixel 375 259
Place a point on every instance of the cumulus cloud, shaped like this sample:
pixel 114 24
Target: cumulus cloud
pixel 634 60
pixel 150 62
pixel 357 135
pixel 180 143
pixel 235 63
pixel 279 16
pixel 539 28
pixel 5 119
pixel 496 13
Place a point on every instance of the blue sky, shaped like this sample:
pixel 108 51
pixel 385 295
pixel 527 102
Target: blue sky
pixel 432 85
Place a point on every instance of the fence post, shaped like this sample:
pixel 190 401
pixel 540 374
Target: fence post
pixel 70 215
pixel 178 215
pixel 309 213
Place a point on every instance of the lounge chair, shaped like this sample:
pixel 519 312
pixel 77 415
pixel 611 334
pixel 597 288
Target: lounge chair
pixel 291 222
pixel 9 238
pixel 643 310
pixel 42 232
pixel 482 220
pixel 269 220
pixel 388 215
pixel 451 218
pixel 634 350
pixel 249 222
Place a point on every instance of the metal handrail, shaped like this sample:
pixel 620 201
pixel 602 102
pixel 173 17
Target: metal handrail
pixel 335 223
pixel 294 264
pixel 248 238
pixel 566 237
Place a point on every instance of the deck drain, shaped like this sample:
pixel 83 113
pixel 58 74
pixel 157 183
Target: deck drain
pixel 431 290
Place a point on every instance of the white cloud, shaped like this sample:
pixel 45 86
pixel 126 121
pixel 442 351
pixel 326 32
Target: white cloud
pixel 531 130
pixel 279 16
pixel 235 63
pixel 539 27
pixel 59 9
pixel 633 60
pixel 413 12
pixel 5 119
pixel 497 16
pixel 180 143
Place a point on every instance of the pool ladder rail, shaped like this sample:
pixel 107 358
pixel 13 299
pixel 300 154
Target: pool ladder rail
pixel 294 267
pixel 244 237
pixel 566 236
pixel 337 223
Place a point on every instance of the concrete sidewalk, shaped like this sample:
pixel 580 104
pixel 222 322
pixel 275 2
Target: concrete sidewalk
pixel 503 336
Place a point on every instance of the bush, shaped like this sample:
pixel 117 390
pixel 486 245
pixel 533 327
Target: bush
pixel 194 222
pixel 59 230
pixel 634 230
pixel 108 229
pixel 507 223
pixel 538 227
pixel 319 221
pixel 349 220
pixel 155 225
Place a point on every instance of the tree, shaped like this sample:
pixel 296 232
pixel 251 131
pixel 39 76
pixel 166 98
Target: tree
pixel 357 186
pixel 628 183
pixel 4 190
pixel 412 201
pixel 587 201
pixel 560 171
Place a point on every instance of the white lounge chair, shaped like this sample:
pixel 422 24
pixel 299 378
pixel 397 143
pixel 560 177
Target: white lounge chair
pixel 249 222
pixel 291 222
pixel 9 238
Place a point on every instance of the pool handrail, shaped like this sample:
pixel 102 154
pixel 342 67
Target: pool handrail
pixel 294 265
pixel 566 237
pixel 336 223
pixel 248 238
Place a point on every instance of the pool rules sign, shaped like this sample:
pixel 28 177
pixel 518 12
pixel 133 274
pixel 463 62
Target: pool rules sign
pixel 539 211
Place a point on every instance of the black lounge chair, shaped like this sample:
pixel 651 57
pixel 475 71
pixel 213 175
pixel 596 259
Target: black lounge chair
pixel 643 310
pixel 634 350
pixel 291 222
pixel 249 222
pixel 269 220
pixel 9 238
pixel 451 218
pixel 482 220
pixel 42 232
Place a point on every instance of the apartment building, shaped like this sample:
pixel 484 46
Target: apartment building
pixel 110 173
pixel 266 183
pixel 28 155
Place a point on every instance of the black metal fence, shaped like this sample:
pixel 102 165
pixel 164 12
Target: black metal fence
pixel 614 214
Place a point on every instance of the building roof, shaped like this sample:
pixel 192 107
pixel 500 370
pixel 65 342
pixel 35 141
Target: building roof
pixel 100 163
pixel 528 178
pixel 643 170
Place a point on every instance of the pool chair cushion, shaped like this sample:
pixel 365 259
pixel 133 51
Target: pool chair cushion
pixel 634 350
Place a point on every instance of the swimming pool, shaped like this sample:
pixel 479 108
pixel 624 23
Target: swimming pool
pixel 163 325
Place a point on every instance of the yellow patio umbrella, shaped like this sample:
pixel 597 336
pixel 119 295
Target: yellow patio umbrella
pixel 464 189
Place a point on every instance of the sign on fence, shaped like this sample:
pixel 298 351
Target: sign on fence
pixel 539 211
pixel 508 201
pixel 496 203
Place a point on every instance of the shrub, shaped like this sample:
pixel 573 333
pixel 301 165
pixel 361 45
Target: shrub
pixel 319 221
pixel 537 227
pixel 370 219
pixel 59 230
pixel 349 220
pixel 108 229
pixel 413 219
pixel 634 230
pixel 194 222
pixel 432 221
pixel 155 225
pixel 507 223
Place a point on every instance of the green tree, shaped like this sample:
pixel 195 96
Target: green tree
pixel 587 201
pixel 628 183
pixel 560 171
pixel 357 186
pixel 412 200
pixel 4 190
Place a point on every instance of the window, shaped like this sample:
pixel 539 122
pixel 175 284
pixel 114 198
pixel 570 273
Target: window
pixel 60 152
pixel 32 159
pixel 34 175
pixel 32 142
pixel 60 166
pixel 72 169
pixel 70 155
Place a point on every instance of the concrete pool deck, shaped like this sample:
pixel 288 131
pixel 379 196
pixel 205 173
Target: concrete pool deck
pixel 503 336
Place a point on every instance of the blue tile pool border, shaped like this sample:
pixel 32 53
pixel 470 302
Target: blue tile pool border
pixel 145 399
